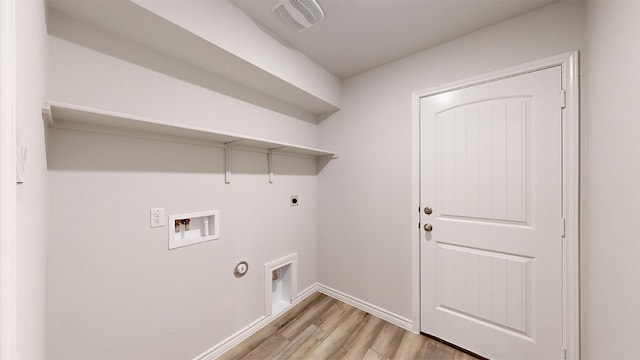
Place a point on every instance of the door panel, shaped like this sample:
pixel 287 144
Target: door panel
pixel 488 286
pixel 491 170
pixel 482 160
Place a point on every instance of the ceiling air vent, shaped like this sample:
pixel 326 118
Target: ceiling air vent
pixel 298 14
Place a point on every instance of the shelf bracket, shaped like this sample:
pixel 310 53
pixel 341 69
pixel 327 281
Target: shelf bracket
pixel 270 161
pixel 47 116
pixel 227 163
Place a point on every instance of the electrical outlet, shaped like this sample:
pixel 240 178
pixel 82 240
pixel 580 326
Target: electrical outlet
pixel 157 217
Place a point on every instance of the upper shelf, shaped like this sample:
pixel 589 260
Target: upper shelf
pixel 256 69
pixel 61 115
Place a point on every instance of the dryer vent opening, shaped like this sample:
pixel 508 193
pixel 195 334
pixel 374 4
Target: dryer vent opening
pixel 281 284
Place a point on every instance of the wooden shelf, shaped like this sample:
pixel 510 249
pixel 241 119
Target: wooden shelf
pixel 67 116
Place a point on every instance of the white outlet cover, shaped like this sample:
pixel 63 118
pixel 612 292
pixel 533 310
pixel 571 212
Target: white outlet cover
pixel 156 217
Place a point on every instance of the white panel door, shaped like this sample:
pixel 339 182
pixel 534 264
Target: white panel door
pixel 491 171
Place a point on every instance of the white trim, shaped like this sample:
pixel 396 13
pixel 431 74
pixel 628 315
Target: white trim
pixel 244 333
pixel 415 210
pixel 558 60
pixel 571 184
pixel 571 116
pixel 367 307
pixel 292 261
pixel 8 317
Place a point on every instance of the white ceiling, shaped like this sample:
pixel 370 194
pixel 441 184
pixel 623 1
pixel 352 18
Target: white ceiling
pixel 358 35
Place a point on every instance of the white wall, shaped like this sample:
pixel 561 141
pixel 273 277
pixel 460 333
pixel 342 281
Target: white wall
pixel 90 78
pixel 112 281
pixel 611 191
pixel 32 201
pixel 114 290
pixel 365 198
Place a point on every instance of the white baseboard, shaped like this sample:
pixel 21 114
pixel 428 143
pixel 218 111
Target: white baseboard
pixel 365 306
pixel 306 293
pixel 263 321
pixel 244 333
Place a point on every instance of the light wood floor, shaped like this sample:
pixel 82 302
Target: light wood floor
pixel 321 327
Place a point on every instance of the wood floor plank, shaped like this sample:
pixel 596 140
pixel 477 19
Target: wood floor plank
pixel 363 336
pixel 321 327
pixel 256 339
pixel 235 352
pixel 251 343
pixel 438 351
pixel 388 341
pixel 295 311
pixel 297 342
pixel 298 324
pixel 373 355
pixel 309 345
pixel 332 317
pixel 338 336
pixel 270 346
pixel 412 346
pixel 463 356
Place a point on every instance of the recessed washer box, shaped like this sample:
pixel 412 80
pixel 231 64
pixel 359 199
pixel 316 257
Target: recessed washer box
pixel 193 228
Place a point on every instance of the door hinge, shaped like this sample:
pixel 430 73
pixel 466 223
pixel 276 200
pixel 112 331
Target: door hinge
pixel 564 227
pixel 563 99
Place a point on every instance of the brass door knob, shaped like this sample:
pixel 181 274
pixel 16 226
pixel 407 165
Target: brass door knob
pixel 428 210
pixel 428 227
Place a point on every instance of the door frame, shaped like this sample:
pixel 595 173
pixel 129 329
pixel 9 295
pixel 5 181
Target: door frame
pixel 8 292
pixel 570 188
